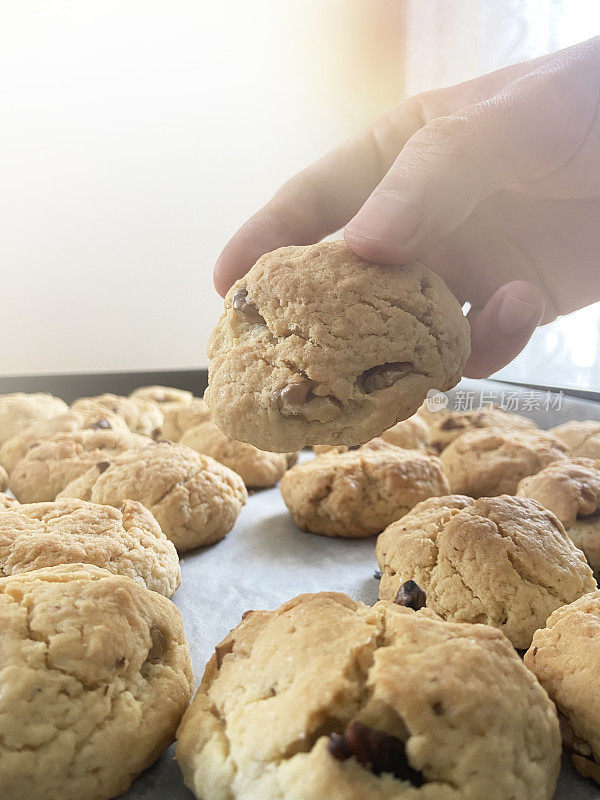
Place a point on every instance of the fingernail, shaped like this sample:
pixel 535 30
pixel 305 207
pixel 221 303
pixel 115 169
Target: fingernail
pixel 387 216
pixel 515 314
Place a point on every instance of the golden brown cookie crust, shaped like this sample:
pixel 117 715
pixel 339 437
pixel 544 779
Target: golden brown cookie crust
pixel 489 462
pixel 357 493
pixel 446 426
pixel 282 681
pixel 126 541
pixel 98 673
pixel 195 499
pixel 581 436
pixel 565 658
pixel 293 363
pixel 19 410
pixel 258 469
pixel 141 416
pixel 502 561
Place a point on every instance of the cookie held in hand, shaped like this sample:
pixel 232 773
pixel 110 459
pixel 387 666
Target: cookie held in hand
pixel 317 346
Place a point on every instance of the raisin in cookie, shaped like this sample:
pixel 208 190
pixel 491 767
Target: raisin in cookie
pixel 95 676
pixel 195 499
pixel 180 418
pixel 571 490
pixel 317 346
pixel 503 561
pixel 141 416
pixel 565 658
pixel 126 541
pixel 358 493
pixel 166 397
pixel 489 462
pixel 18 446
pixel 19 410
pixel 446 426
pixel 47 468
pixel 581 436
pixel 259 469
pixel 328 699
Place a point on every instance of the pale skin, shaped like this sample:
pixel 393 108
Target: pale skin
pixel 494 184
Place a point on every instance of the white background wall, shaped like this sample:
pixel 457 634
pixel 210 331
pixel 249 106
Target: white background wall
pixel 135 136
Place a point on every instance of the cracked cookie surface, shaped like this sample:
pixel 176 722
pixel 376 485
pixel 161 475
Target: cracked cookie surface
pixel 141 416
pixel 446 426
pixel 581 436
pixel 565 658
pixel 482 463
pixel 95 676
pixel 126 541
pixel 19 410
pixel 317 346
pixel 571 489
pixel 427 709
pixel 259 469
pixel 501 561
pixel 195 499
pixel 358 493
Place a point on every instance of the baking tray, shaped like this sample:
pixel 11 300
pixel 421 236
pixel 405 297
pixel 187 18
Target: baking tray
pixel 266 560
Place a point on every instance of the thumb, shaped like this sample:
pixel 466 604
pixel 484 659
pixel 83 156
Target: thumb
pixel 502 328
pixel 454 162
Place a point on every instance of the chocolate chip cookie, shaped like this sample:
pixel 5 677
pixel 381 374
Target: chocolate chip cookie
pixel 141 416
pixel 582 437
pixel 19 410
pixel 328 698
pixel 446 426
pixel 195 499
pixel 180 418
pixel 166 397
pixel 571 489
pixel 483 463
pixel 357 493
pixel 95 676
pixel 259 469
pixel 126 541
pixel 317 346
pixel 502 561
pixel 565 658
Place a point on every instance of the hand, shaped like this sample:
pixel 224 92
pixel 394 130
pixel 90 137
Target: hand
pixel 494 184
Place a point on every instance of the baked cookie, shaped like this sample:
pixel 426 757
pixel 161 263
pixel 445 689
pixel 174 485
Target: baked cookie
pixel 195 499
pixel 180 418
pixel 582 437
pixel 18 446
pixel 126 541
pixel 258 469
pixel 328 698
pixel 3 478
pixel 19 410
pixel 488 462
pixel 317 346
pixel 571 489
pixel 358 493
pixel 503 561
pixel 6 501
pixel 164 396
pixel 565 658
pixel 96 674
pixel 410 434
pixel 141 416
pixel 47 468
pixel 446 426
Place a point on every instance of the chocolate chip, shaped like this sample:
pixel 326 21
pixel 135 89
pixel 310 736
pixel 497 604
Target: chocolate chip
pixel 240 303
pixel 438 709
pixel 374 750
pixel 354 447
pixel 294 394
pixel 452 424
pixel 102 466
pixel 121 662
pixel 159 645
pixel 383 376
pixel 103 424
pixel 377 574
pixel 156 433
pixel 411 595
